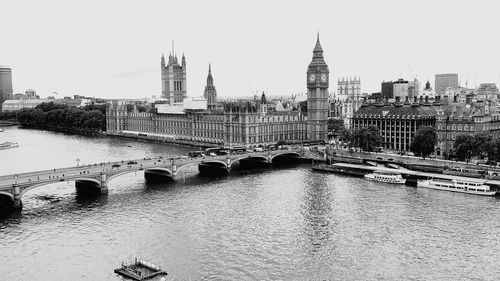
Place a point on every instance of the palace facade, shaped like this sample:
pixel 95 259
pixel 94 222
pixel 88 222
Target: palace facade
pixel 236 125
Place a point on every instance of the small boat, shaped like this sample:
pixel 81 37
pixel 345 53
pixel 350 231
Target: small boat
pixel 140 270
pixel 7 145
pixel 385 177
pixel 458 185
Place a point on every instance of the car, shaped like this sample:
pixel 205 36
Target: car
pixel 116 166
pixel 131 162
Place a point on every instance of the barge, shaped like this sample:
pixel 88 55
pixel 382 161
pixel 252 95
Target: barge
pixel 140 270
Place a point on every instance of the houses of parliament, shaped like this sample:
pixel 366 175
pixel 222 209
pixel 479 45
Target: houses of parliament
pixel 205 122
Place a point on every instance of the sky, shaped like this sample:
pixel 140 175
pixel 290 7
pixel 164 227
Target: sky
pixel 112 49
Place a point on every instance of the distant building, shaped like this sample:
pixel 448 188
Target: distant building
pixel 348 100
pixel 443 81
pixel 317 95
pixel 400 89
pixel 210 94
pixel 387 89
pixel 173 79
pixel 14 105
pixel 428 92
pixel 6 92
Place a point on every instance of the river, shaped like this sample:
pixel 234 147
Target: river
pixel 276 224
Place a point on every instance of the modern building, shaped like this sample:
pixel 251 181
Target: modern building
pixel 6 92
pixel 387 89
pixel 210 94
pixel 443 81
pixel 317 95
pixel 173 79
pixel 400 89
pixel 397 122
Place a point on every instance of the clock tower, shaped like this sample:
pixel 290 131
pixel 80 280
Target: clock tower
pixel 317 96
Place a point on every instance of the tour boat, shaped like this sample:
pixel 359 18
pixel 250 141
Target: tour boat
pixel 385 177
pixel 7 145
pixel 458 185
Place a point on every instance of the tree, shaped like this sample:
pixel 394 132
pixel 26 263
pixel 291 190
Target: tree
pixel 335 126
pixel 483 144
pixel 464 147
pixel 367 138
pixel 424 141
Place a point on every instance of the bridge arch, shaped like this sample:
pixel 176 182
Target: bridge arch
pixel 7 194
pixel 28 188
pixel 262 157
pixel 113 176
pixel 295 154
pixel 185 166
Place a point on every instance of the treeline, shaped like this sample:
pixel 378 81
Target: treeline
pixel 483 145
pixel 60 116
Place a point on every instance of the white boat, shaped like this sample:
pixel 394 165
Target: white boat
pixel 385 177
pixel 7 145
pixel 458 185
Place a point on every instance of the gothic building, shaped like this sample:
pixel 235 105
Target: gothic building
pixel 210 94
pixel 173 79
pixel 347 101
pixel 317 95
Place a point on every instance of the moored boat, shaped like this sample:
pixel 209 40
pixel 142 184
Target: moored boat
pixel 7 145
pixel 385 177
pixel 458 185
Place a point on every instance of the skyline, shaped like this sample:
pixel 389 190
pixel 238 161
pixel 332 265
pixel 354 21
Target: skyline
pixel 98 50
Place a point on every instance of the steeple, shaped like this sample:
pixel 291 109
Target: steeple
pixel 317 59
pixel 183 60
pixel 162 59
pixel 318 48
pixel 210 79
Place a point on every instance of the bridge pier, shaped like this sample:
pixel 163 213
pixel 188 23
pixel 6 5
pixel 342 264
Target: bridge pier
pixel 17 203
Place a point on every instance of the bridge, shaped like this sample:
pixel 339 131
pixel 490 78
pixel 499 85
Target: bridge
pixel 97 176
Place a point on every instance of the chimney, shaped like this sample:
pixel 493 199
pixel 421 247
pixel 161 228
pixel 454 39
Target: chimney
pixel 397 99
pixel 426 99
pixel 415 99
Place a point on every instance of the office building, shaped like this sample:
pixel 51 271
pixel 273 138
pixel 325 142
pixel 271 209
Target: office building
pixel 6 92
pixel 443 81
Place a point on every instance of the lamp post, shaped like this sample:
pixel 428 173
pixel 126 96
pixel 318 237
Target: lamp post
pixel 77 162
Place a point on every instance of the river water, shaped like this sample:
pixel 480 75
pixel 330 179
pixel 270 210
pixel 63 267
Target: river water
pixel 276 224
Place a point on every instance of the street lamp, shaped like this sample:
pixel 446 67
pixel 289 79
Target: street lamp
pixel 77 162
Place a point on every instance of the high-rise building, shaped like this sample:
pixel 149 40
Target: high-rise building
pixel 317 95
pixel 387 89
pixel 173 79
pixel 210 94
pixel 443 81
pixel 5 84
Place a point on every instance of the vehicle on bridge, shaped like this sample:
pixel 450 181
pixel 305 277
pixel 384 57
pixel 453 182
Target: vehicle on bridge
pixel 132 162
pixel 115 166
pixel 194 154
pixel 216 151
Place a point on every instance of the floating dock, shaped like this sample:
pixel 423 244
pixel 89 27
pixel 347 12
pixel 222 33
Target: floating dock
pixel 140 270
pixel 410 175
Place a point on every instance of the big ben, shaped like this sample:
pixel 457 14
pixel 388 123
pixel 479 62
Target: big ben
pixel 317 96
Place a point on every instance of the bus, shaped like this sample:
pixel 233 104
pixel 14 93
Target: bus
pixel 216 151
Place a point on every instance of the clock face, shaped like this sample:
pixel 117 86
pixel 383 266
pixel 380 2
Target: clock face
pixel 312 77
pixel 323 77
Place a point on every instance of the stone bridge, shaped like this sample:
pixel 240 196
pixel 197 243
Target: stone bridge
pixel 97 176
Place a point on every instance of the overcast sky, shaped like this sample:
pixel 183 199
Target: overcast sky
pixel 112 49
